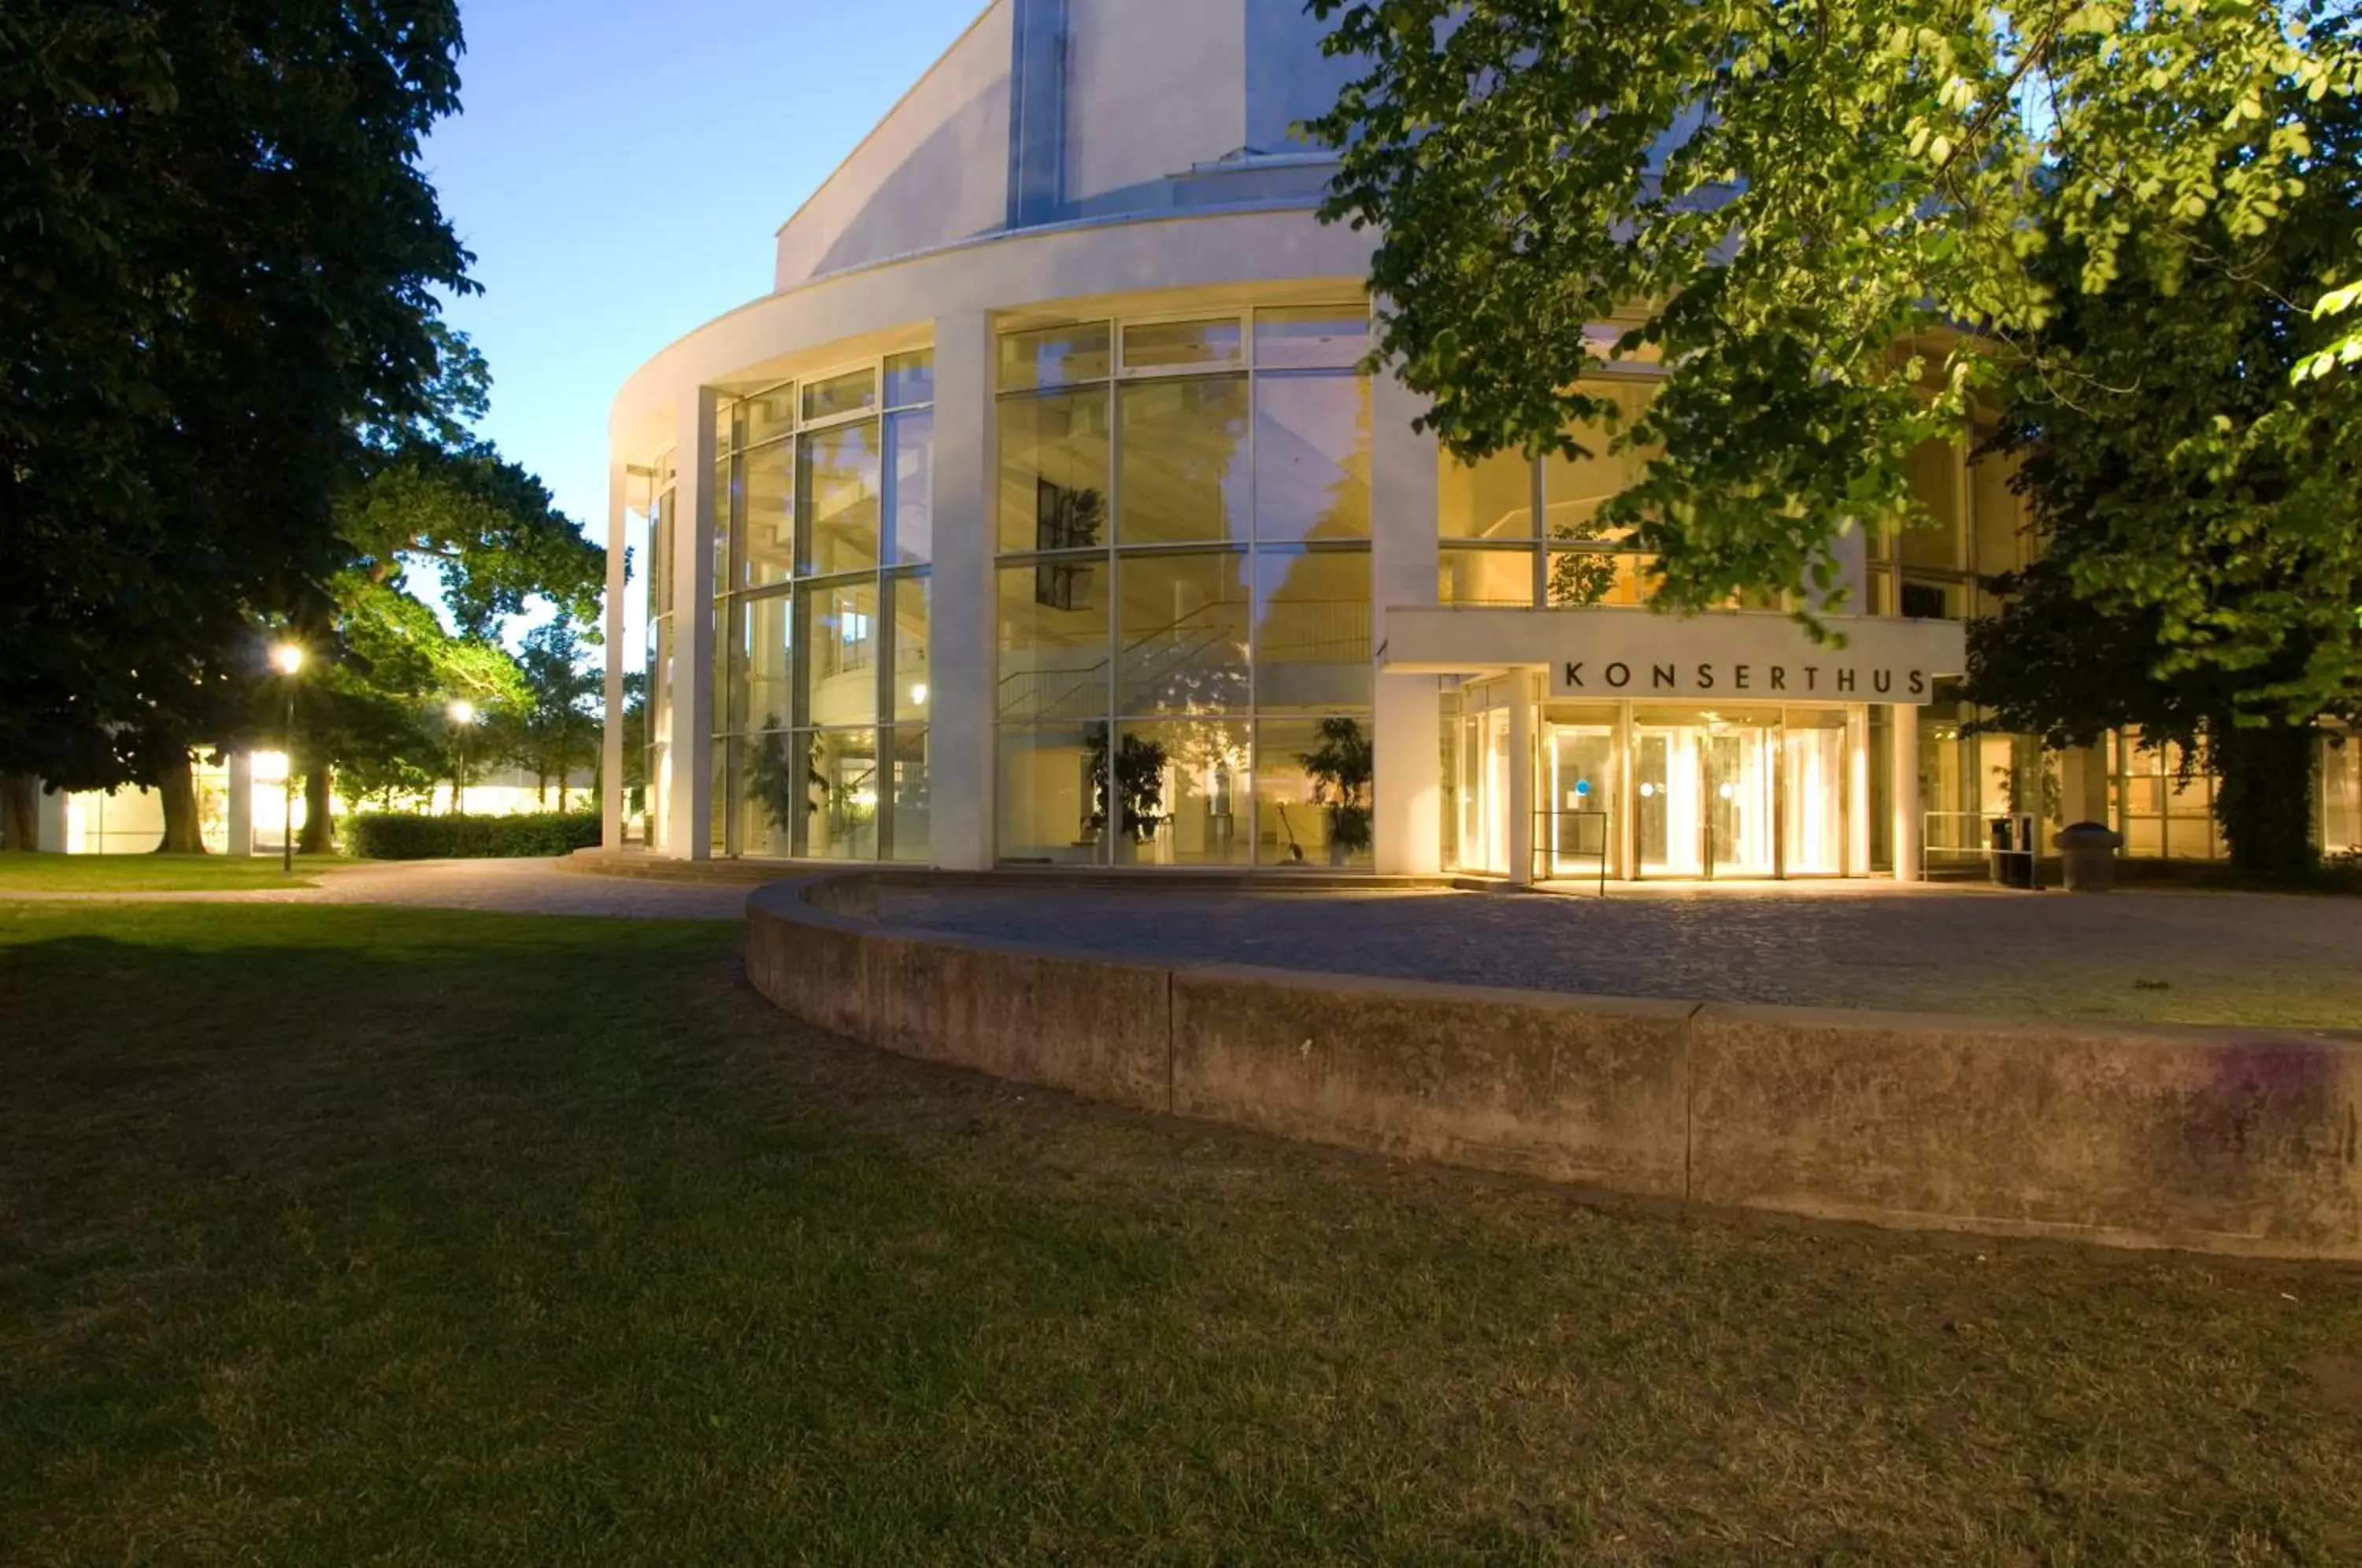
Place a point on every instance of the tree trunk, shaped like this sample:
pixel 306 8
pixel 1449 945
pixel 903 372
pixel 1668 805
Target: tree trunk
pixel 176 784
pixel 319 826
pixel 2264 798
pixel 20 812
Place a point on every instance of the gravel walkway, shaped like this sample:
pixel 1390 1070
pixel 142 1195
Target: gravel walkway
pixel 2197 957
pixel 503 887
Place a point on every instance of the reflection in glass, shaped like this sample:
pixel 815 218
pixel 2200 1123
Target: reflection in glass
pixel 852 392
pixel 1580 577
pixel 768 415
pixel 729 521
pixel 1054 641
pixel 1188 783
pixel 767 554
pixel 910 378
pixel 1171 344
pixel 841 783
pixel 908 796
pixel 763 686
pixel 1490 498
pixel 1182 639
pixel 1485 577
pixel 1055 357
pixel 1182 469
pixel 1053 472
pixel 840 638
pixel 1313 457
pixel 1312 629
pixel 769 794
pixel 1312 337
pixel 837 496
pixel 910 675
pixel 1313 780
pixel 910 468
pixel 1045 791
pixel 1574 488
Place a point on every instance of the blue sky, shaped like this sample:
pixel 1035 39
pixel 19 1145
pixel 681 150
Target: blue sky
pixel 619 169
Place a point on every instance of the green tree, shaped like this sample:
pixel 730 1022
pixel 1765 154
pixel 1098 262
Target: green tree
pixel 556 731
pixel 1824 221
pixel 219 261
pixel 2196 508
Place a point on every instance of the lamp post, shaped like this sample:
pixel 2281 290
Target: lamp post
pixel 463 714
pixel 288 659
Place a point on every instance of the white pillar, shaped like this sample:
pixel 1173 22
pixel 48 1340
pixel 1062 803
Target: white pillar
pixel 2083 784
pixel 962 675
pixel 50 821
pixel 1403 564
pixel 1521 778
pixel 611 742
pixel 691 737
pixel 1904 789
pixel 240 804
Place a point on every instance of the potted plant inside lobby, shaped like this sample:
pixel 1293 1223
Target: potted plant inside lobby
pixel 1342 768
pixel 1137 784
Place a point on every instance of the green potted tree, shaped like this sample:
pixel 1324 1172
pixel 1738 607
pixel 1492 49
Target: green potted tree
pixel 1342 768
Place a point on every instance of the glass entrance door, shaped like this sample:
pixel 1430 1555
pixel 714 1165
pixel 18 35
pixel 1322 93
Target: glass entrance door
pixel 1580 812
pixel 1707 793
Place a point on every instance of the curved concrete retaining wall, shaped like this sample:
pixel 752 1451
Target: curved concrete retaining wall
pixel 2223 1140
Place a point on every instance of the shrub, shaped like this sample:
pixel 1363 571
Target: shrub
pixel 383 835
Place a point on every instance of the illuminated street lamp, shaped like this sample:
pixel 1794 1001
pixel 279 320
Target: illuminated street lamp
pixel 463 714
pixel 287 658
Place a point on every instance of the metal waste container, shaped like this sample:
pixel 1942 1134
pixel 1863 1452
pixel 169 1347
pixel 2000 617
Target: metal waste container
pixel 2090 851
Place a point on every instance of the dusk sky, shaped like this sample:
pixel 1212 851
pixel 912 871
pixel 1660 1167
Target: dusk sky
pixel 619 169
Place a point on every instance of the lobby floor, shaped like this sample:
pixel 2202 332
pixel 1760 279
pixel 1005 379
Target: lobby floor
pixel 2198 957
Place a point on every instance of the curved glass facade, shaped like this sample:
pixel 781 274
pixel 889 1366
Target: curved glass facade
pixel 1182 591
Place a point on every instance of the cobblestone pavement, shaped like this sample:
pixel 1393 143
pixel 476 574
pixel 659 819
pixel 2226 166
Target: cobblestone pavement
pixel 2195 957
pixel 504 887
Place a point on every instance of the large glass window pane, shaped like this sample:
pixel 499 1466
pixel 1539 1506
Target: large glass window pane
pixel 907 796
pixel 1182 637
pixel 767 554
pixel 1313 457
pixel 729 522
pixel 841 776
pixel 910 378
pixel 1486 577
pixel 1598 577
pixel 1314 781
pixel 1934 473
pixel 770 794
pixel 1053 472
pixel 909 469
pixel 1055 357
pixel 1184 785
pixel 1574 488
pixel 840 639
pixel 1045 791
pixel 852 392
pixel 768 415
pixel 1490 498
pixel 1053 640
pixel 1169 344
pixel 1312 629
pixel 836 497
pixel 1997 538
pixel 717 808
pixel 910 675
pixel 1182 470
pixel 1312 337
pixel 763 687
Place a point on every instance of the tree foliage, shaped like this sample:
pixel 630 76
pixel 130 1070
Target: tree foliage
pixel 218 258
pixel 1829 223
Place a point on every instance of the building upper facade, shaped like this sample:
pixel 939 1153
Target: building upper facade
pixel 1053 111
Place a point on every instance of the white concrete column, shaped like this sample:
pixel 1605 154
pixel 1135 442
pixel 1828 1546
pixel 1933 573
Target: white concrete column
pixel 963 676
pixel 691 737
pixel 1521 778
pixel 240 833
pixel 1403 558
pixel 1909 822
pixel 611 742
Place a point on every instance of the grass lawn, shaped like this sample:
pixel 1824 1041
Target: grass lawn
pixel 150 873
pixel 330 1234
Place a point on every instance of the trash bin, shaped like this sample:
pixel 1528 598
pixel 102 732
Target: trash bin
pixel 2012 853
pixel 2089 852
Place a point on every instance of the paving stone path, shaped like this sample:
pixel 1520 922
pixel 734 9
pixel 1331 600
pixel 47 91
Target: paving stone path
pixel 505 887
pixel 2196 957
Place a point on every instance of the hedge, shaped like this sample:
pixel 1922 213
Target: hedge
pixel 380 836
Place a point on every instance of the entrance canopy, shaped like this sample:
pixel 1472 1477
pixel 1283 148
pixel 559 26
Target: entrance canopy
pixel 1721 657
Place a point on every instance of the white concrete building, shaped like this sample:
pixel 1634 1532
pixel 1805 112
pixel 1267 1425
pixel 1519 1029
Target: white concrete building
pixel 1039 515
